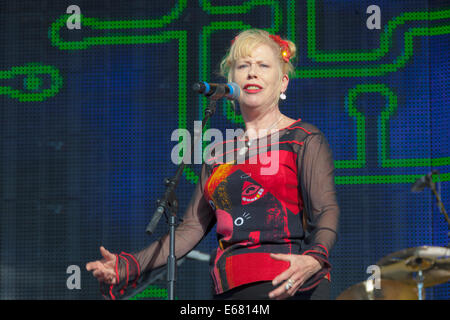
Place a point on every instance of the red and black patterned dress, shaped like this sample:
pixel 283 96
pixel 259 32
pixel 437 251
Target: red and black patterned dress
pixel 277 197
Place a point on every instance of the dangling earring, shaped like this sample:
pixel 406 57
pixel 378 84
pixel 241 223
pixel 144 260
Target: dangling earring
pixel 282 96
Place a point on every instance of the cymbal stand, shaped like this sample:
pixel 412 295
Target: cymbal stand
pixel 420 279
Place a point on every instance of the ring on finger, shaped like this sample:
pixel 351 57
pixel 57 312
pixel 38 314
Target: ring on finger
pixel 289 284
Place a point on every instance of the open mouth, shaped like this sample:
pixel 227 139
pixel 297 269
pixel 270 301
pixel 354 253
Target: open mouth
pixel 252 88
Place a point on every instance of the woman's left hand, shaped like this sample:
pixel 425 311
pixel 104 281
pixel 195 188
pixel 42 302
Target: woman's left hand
pixel 301 268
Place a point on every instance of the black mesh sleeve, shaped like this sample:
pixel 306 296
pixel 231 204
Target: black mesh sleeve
pixel 320 208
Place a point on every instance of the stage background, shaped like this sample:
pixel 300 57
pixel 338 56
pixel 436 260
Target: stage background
pixel 87 117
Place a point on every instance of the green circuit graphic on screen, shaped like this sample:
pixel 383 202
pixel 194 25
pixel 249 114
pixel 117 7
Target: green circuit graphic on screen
pixel 366 68
pixel 200 29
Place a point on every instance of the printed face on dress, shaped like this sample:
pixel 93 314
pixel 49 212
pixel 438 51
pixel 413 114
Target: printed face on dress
pixel 260 78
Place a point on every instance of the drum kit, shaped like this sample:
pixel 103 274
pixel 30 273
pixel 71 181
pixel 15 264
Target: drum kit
pixel 404 275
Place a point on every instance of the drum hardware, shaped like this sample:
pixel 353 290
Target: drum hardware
pixel 418 267
pixel 424 266
pixel 404 275
pixel 389 290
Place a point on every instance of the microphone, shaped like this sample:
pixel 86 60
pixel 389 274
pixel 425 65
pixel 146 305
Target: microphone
pixel 422 182
pixel 231 90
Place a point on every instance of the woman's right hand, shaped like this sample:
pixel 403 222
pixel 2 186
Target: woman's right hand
pixel 105 269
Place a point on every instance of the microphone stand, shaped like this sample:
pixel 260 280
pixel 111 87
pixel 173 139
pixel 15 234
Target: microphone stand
pixel 169 204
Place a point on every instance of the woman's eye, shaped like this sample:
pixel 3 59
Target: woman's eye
pixel 241 66
pixel 264 65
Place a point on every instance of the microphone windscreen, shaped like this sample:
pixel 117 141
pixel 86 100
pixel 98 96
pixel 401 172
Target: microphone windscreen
pixel 200 87
pixel 235 91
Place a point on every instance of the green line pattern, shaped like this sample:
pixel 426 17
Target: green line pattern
pixel 32 82
pixel 377 69
pixel 240 9
pixel 386 38
pixel 383 132
pixel 384 179
pixel 282 18
pixel 153 292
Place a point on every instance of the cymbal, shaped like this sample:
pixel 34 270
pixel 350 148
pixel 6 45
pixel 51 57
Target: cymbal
pixel 389 290
pixel 403 265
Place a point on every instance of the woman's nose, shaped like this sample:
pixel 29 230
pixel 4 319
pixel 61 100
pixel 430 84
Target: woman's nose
pixel 252 71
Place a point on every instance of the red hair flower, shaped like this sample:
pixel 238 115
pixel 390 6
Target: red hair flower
pixel 284 47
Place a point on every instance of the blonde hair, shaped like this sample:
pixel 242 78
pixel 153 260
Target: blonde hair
pixel 245 42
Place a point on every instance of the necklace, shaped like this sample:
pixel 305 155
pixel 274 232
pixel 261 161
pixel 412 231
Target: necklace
pixel 248 143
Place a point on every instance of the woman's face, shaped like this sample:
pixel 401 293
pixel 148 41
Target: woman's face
pixel 259 76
